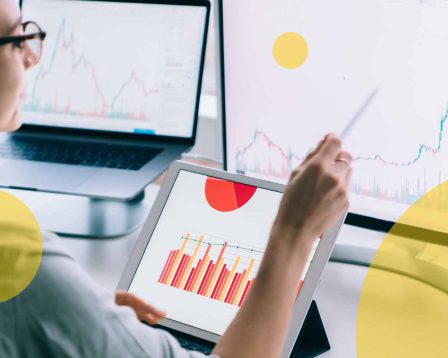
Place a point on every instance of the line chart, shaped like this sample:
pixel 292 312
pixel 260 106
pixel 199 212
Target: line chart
pixel 272 160
pixel 78 66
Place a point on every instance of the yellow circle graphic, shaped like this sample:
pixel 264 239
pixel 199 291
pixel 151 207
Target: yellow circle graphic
pixel 290 50
pixel 20 246
pixel 402 309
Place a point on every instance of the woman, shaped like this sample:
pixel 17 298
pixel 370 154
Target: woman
pixel 63 312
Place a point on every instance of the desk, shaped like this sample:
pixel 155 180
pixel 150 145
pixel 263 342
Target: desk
pixel 337 297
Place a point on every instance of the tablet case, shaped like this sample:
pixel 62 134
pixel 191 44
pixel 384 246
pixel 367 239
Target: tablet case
pixel 312 340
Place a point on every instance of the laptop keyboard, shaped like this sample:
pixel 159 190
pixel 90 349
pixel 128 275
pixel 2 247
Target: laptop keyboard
pixel 192 346
pixel 77 153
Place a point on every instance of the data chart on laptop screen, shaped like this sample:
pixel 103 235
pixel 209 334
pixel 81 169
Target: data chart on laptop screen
pixel 280 103
pixel 206 250
pixel 116 66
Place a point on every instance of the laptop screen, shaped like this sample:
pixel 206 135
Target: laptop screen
pixel 119 67
pixel 205 250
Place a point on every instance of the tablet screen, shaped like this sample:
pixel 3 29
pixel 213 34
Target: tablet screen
pixel 205 251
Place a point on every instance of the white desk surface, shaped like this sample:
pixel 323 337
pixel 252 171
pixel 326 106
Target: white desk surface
pixel 337 295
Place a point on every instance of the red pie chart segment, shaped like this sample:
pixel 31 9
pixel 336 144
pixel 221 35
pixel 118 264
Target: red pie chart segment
pixel 243 193
pixel 223 195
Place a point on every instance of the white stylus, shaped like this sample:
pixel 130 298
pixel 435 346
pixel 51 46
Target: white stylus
pixel 359 113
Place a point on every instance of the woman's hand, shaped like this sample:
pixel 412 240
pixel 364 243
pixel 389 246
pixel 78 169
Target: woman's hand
pixel 317 192
pixel 144 311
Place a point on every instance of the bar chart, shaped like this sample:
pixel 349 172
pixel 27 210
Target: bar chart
pixel 221 270
pixel 210 267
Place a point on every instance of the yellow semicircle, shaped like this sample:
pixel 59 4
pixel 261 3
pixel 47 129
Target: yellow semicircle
pixel 403 306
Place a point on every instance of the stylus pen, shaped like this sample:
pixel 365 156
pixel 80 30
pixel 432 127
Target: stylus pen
pixel 348 128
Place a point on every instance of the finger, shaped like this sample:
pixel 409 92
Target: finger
pixel 348 177
pixel 123 298
pixel 149 318
pixel 313 153
pixel 131 300
pixel 341 168
pixel 345 156
pixel 150 308
pixel 342 163
pixel 330 149
pixel 309 156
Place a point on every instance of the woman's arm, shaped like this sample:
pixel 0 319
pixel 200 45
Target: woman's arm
pixel 313 200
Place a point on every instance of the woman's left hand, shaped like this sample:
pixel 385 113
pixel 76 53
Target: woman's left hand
pixel 144 311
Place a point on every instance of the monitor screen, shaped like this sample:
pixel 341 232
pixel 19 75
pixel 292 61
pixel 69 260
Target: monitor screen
pixel 121 67
pixel 206 249
pixel 297 70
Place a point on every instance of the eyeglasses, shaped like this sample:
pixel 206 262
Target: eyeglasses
pixel 31 40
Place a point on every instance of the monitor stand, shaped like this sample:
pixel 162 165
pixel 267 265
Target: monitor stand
pixel 83 217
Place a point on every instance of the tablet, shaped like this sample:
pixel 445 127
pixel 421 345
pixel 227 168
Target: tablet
pixel 199 252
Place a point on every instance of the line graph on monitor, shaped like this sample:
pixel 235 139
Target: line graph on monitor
pixel 262 155
pixel 83 91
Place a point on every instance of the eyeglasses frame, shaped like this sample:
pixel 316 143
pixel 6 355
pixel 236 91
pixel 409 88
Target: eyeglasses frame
pixel 22 38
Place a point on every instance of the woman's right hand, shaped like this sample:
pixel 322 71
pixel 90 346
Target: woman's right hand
pixel 316 195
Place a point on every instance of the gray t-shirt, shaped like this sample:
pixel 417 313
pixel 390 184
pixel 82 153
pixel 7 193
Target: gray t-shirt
pixel 63 313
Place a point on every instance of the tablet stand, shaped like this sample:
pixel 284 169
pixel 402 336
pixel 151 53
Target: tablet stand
pixel 312 340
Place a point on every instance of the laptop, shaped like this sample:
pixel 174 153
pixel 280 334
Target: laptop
pixel 114 99
pixel 199 252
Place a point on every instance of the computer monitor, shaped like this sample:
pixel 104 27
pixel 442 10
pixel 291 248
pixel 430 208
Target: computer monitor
pixel 137 71
pixel 295 70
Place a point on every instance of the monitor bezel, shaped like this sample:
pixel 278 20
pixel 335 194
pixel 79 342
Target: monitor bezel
pixel 137 137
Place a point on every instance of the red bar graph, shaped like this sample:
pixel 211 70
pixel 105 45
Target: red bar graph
pixel 179 268
pixel 205 278
pixel 246 289
pixel 218 283
pixel 221 286
pixel 232 287
pixel 220 270
pixel 165 268
pixel 190 277
pixel 209 269
pixel 170 263
pixel 237 286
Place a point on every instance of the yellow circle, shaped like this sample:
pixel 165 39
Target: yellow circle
pixel 402 310
pixel 20 246
pixel 290 50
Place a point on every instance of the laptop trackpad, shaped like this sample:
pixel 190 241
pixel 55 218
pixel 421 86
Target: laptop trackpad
pixel 43 176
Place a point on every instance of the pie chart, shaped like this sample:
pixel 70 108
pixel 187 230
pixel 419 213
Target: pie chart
pixel 225 196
